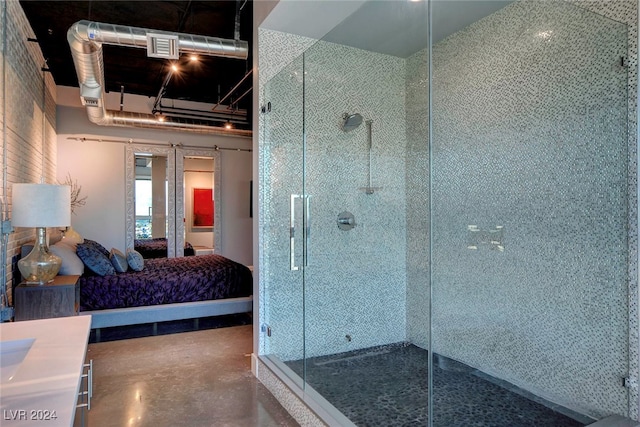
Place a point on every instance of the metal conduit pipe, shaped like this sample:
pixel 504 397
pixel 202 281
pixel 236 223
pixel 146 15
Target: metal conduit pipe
pixel 123 118
pixel 85 40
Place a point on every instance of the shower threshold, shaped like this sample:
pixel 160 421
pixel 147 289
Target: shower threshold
pixel 388 386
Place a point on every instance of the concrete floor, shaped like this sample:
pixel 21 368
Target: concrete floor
pixel 200 378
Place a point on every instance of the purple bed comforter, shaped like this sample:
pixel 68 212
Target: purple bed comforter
pixel 157 247
pixel 167 281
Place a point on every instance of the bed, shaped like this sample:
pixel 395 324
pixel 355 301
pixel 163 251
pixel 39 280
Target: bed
pixel 167 281
pixel 157 247
pixel 167 289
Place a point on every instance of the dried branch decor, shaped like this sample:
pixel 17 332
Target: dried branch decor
pixel 76 200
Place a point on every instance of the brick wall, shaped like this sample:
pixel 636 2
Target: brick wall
pixel 28 139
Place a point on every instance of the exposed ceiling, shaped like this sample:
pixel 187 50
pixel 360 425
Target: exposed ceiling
pixel 129 69
pixel 391 27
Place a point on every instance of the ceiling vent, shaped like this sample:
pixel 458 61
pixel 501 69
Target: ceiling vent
pixel 91 96
pixel 162 46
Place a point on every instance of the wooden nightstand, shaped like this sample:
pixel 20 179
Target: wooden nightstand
pixel 58 298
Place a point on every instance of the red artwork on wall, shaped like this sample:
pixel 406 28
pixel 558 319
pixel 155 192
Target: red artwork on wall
pixel 203 207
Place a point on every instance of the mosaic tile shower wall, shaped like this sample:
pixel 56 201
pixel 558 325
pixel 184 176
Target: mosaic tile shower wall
pixel 369 260
pixel 417 182
pixel 530 116
pixel 278 50
pixel 356 282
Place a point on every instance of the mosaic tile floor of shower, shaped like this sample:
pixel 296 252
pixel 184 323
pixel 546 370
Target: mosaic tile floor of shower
pixel 387 386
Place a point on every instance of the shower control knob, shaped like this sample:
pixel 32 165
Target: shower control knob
pixel 346 221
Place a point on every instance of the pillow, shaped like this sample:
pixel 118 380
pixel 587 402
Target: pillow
pixel 94 259
pixel 135 260
pixel 118 260
pixel 71 263
pixel 98 246
pixel 67 244
pixel 72 237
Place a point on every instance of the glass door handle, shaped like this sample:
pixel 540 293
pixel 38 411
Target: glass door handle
pixel 307 198
pixel 292 231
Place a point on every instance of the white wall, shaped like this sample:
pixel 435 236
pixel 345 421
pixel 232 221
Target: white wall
pixel 99 169
pixel 237 239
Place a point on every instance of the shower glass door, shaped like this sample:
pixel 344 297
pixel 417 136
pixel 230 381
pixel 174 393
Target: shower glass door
pixel 529 158
pixel 281 237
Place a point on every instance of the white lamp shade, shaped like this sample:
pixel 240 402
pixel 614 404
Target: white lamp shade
pixel 41 205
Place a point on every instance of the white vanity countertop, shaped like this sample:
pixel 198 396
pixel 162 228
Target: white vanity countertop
pixel 48 379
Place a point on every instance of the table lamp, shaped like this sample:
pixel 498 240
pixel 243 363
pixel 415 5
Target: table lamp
pixel 40 206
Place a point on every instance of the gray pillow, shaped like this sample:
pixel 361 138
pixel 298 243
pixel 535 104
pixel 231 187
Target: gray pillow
pixel 96 245
pixel 71 264
pixel 95 260
pixel 135 260
pixel 118 260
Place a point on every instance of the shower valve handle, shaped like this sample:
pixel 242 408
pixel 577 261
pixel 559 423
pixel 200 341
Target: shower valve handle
pixel 346 221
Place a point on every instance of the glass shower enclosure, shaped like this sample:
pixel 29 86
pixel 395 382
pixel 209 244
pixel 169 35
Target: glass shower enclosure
pixel 444 213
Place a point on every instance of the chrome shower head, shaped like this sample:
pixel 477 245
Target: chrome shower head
pixel 351 121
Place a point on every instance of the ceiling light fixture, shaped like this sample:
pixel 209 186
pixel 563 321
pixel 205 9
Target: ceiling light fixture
pixel 228 125
pixel 174 68
pixel 194 58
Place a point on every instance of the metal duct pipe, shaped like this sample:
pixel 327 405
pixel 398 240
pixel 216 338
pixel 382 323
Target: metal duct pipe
pixel 120 35
pixel 85 40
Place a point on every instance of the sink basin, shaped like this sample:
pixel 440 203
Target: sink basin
pixel 12 354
